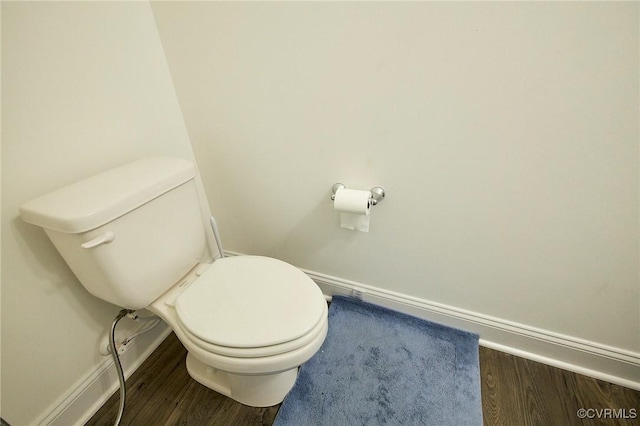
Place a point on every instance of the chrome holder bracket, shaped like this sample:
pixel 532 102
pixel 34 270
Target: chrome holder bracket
pixel 377 193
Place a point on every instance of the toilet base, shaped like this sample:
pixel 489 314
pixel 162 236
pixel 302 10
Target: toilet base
pixel 263 390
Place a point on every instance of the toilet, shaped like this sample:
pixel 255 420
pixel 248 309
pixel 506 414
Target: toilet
pixel 135 236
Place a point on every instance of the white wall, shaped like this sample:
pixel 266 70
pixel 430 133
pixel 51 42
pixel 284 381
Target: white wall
pixel 505 134
pixel 85 87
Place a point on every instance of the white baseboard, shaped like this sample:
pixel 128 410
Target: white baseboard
pixel 78 405
pixel 614 365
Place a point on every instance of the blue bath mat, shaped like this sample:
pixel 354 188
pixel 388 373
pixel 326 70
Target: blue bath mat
pixel 379 366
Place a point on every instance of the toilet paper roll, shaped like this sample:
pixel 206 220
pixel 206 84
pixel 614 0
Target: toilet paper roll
pixel 354 206
pixel 353 201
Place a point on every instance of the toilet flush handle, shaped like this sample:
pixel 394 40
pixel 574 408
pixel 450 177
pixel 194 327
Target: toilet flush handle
pixel 105 237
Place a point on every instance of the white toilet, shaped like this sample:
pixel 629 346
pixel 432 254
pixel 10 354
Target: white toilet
pixel 135 236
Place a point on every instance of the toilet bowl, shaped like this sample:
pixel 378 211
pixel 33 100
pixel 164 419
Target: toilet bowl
pixel 135 236
pixel 251 355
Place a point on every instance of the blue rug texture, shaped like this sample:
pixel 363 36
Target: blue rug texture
pixel 379 366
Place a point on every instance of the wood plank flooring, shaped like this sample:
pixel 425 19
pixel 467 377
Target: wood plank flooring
pixel 161 392
pixel 515 392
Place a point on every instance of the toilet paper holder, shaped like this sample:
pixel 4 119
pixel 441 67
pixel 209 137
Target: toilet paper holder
pixel 377 193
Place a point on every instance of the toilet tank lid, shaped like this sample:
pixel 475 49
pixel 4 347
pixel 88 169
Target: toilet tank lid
pixel 99 199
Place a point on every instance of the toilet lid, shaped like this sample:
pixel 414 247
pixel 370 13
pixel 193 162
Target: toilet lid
pixel 250 302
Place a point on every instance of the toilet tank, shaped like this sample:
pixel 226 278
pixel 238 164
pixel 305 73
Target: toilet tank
pixel 129 233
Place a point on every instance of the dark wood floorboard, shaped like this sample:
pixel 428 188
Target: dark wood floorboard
pixel 515 392
pixel 161 392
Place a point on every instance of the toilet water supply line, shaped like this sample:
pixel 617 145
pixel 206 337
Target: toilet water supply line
pixel 116 361
pixel 113 349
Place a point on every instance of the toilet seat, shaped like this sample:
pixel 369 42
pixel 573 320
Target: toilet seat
pixel 251 306
pixel 260 352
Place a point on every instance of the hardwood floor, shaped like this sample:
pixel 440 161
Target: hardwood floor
pixel 515 391
pixel 161 392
